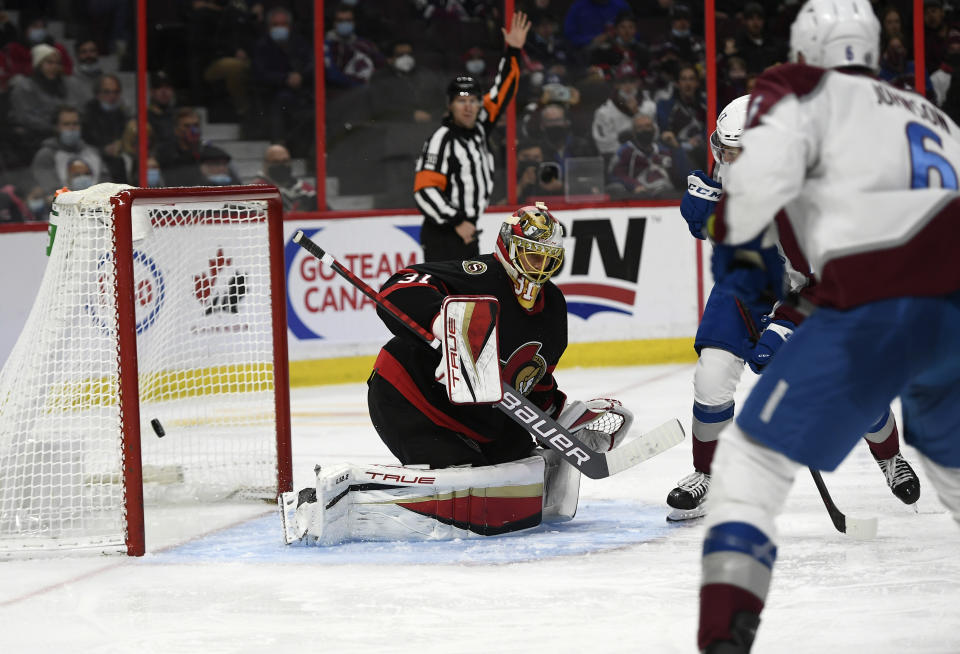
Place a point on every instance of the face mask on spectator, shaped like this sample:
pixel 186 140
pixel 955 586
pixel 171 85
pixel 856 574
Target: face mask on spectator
pixel 279 33
pixel 680 34
pixel 70 137
pixel 109 106
pixel 536 78
pixel 643 138
pixel 219 179
pixel 81 182
pixel 36 34
pixel 627 94
pixel 89 68
pixel 404 63
pixel 476 66
pixel 344 27
pixel 35 204
pixel 280 173
pixel 153 177
pixel 555 133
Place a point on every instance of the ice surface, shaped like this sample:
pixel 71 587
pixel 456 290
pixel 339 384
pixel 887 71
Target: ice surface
pixel 617 578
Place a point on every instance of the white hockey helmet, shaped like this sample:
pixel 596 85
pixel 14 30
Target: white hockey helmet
pixel 725 140
pixel 836 33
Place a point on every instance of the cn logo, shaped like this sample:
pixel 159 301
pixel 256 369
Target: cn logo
pixel 227 296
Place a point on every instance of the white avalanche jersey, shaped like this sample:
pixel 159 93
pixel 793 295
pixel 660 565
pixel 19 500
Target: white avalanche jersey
pixel 867 176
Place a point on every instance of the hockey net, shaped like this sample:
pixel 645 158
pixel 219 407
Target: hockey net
pixel 153 365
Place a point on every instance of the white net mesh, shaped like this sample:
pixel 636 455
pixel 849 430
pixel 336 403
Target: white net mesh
pixel 204 321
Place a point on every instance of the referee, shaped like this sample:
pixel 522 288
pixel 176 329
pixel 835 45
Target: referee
pixel 454 177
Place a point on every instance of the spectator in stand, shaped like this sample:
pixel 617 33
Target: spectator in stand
pixel 891 24
pixel 404 92
pixel 682 118
pixel 283 74
pixel 160 111
pixel 20 58
pixel 220 36
pixel 757 48
pixel 941 80
pixel 38 204
pixel 896 67
pixel 622 48
pixel 88 68
pixel 733 80
pixel 646 167
pixel 558 140
pixel 8 30
pixel 180 159
pixel 689 48
pixel 51 162
pixel 475 64
pixel 154 174
pixel 34 99
pixel 546 46
pixel 615 116
pixel 297 194
pixel 935 30
pixel 215 167
pixel 354 57
pixel 534 178
pixel 589 23
pixel 12 208
pixel 104 121
pixel 79 175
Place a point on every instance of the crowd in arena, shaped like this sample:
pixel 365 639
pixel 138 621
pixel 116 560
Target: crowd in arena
pixel 611 103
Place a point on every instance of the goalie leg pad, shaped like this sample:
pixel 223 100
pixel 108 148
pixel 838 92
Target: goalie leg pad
pixel 561 488
pixel 388 503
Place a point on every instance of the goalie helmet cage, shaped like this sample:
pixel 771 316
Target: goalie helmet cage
pixel 153 365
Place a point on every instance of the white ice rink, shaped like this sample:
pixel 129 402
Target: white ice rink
pixel 617 578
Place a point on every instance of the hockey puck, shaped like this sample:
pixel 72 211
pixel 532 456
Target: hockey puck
pixel 157 428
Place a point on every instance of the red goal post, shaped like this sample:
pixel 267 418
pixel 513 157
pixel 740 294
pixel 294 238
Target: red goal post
pixel 152 367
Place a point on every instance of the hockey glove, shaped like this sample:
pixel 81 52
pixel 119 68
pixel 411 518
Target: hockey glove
pixel 698 202
pixel 602 424
pixel 774 336
pixel 750 272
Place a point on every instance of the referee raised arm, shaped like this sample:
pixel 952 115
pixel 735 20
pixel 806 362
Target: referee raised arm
pixel 454 177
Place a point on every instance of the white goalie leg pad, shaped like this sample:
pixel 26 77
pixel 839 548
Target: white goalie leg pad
pixel 389 503
pixel 750 482
pixel 947 482
pixel 471 357
pixel 561 487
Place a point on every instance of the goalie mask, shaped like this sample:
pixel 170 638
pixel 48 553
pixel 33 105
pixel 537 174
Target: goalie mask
pixel 725 140
pixel 530 247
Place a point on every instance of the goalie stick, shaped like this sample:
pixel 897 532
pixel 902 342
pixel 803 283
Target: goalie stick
pixel 856 528
pixel 542 427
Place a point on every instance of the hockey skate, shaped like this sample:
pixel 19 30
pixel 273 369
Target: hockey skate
pixel 688 498
pixel 901 478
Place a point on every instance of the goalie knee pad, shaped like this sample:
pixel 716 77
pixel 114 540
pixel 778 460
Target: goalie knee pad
pixel 387 503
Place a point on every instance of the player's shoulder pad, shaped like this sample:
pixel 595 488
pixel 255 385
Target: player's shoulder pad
pixel 779 82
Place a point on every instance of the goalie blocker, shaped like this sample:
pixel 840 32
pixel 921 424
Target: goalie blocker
pixel 387 503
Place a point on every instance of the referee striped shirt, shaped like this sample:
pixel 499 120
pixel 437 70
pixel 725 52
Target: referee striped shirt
pixel 454 178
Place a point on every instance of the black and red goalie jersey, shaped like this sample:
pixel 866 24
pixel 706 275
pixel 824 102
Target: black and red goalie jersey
pixel 532 329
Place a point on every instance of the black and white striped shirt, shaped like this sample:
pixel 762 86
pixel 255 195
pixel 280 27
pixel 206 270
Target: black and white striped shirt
pixel 454 179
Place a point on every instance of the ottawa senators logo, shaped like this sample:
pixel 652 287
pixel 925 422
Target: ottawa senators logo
pixel 525 367
pixel 474 267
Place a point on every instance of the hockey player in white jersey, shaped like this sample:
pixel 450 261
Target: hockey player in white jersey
pixel 866 176
pixel 725 341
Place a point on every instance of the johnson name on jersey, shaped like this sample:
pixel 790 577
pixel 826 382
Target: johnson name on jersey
pixel 814 140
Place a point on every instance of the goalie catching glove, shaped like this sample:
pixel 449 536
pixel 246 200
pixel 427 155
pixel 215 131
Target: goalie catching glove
pixel 470 359
pixel 602 424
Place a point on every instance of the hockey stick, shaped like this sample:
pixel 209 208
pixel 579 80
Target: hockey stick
pixel 542 427
pixel 857 528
